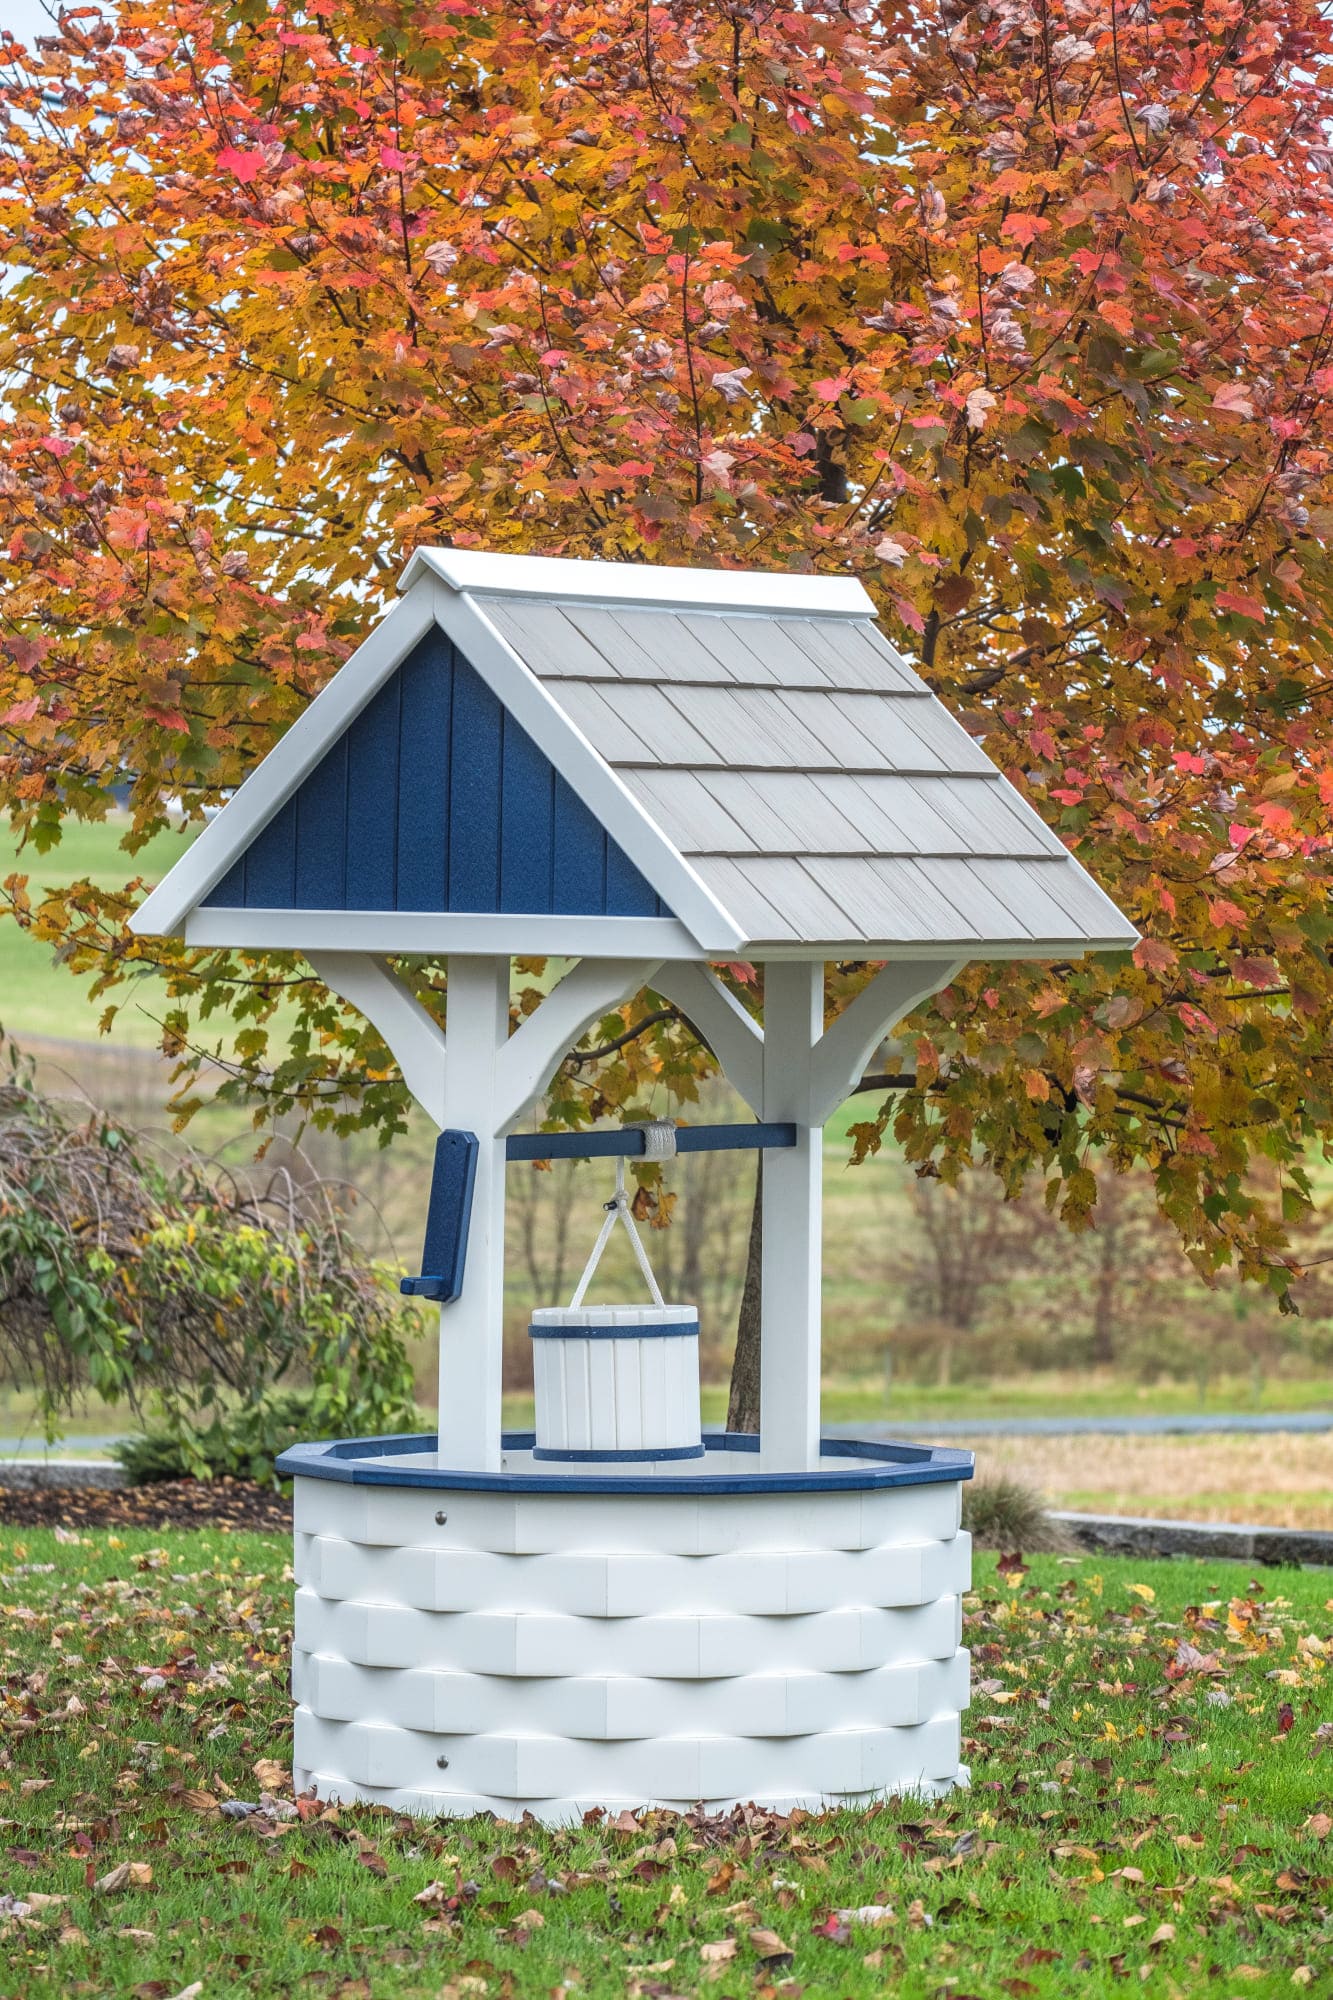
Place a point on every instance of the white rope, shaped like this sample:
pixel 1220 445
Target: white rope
pixel 617 1210
pixel 659 1138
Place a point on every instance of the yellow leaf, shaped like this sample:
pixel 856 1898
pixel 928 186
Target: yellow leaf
pixel 1143 1590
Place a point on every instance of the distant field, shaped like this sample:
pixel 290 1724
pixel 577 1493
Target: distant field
pixel 37 995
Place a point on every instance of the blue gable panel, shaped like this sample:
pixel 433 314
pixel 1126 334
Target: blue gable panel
pixel 373 764
pixel 435 799
pixel 580 856
pixel 474 795
pixel 527 822
pixel 321 834
pixel 423 775
pixel 270 865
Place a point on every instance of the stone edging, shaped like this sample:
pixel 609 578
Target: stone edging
pixel 1127 1535
pixel 31 1475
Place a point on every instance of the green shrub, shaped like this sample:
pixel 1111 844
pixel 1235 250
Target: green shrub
pixel 241 1442
pixel 233 1311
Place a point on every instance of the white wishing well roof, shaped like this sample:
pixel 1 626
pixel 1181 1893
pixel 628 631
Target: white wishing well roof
pixel 777 773
pixel 810 778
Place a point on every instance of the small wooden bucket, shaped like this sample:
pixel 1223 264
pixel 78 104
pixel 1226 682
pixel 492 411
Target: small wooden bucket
pixel 616 1382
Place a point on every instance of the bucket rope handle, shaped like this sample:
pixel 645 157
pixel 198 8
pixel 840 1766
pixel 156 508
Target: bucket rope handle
pixel 617 1210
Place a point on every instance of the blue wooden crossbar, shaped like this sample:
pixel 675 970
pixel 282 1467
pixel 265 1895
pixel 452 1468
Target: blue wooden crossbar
pixel 629 1142
pixel 455 1173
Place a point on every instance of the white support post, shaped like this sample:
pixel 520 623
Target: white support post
pixel 472 1327
pixel 793 1222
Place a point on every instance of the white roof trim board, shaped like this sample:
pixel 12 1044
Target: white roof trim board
pixel 639 583
pixel 777 772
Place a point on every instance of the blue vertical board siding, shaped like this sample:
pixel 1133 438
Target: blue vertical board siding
pixel 627 894
pixel 321 834
pixel 270 863
pixel 427 677
pixel 527 822
pixel 372 801
pixel 579 874
pixel 434 798
pixel 229 893
pixel 474 795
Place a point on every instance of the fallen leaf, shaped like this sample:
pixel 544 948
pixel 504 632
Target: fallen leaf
pixel 126 1875
pixel 872 1914
pixel 769 1945
pixel 273 1777
pixel 719 1952
pixel 1162 1935
pixel 1318 1826
pixel 721 1879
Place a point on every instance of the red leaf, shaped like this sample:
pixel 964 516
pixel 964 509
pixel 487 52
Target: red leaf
pixel 1286 1717
pixel 1150 955
pixel 244 165
pixel 1247 607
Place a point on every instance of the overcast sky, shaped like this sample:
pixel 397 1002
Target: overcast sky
pixel 25 18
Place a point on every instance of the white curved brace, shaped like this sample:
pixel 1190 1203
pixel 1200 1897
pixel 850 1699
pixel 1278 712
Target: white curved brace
pixel 413 1038
pixel 840 1055
pixel 534 1052
pixel 735 1039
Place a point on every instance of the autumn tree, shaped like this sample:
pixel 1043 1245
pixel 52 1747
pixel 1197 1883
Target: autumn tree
pixel 1022 312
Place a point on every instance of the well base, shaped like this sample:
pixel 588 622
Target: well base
pixel 546 1645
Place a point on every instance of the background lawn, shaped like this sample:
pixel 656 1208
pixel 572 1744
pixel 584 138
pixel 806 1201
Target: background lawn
pixel 1151 1748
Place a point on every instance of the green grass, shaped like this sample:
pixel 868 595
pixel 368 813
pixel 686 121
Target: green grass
pixel 1124 1824
pixel 37 995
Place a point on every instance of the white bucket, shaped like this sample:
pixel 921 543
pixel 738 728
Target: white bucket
pixel 618 1382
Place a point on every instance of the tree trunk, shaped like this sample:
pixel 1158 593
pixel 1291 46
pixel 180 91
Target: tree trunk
pixel 743 1402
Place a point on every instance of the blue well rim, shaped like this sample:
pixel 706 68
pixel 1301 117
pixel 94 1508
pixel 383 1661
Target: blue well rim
pixel 884 1463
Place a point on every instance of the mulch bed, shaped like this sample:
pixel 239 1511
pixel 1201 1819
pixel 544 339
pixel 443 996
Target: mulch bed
pixel 167 1503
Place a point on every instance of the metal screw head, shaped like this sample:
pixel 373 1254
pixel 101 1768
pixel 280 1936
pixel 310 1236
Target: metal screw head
pixel 442 1763
pixel 440 1520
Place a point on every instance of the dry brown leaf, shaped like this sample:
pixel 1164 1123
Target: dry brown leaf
pixel 719 1952
pixel 721 1879
pixel 126 1875
pixel 198 1800
pixel 272 1776
pixel 1318 1826
pixel 768 1944
pixel 1162 1935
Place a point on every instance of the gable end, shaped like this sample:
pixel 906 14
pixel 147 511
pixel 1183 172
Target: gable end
pixel 436 799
